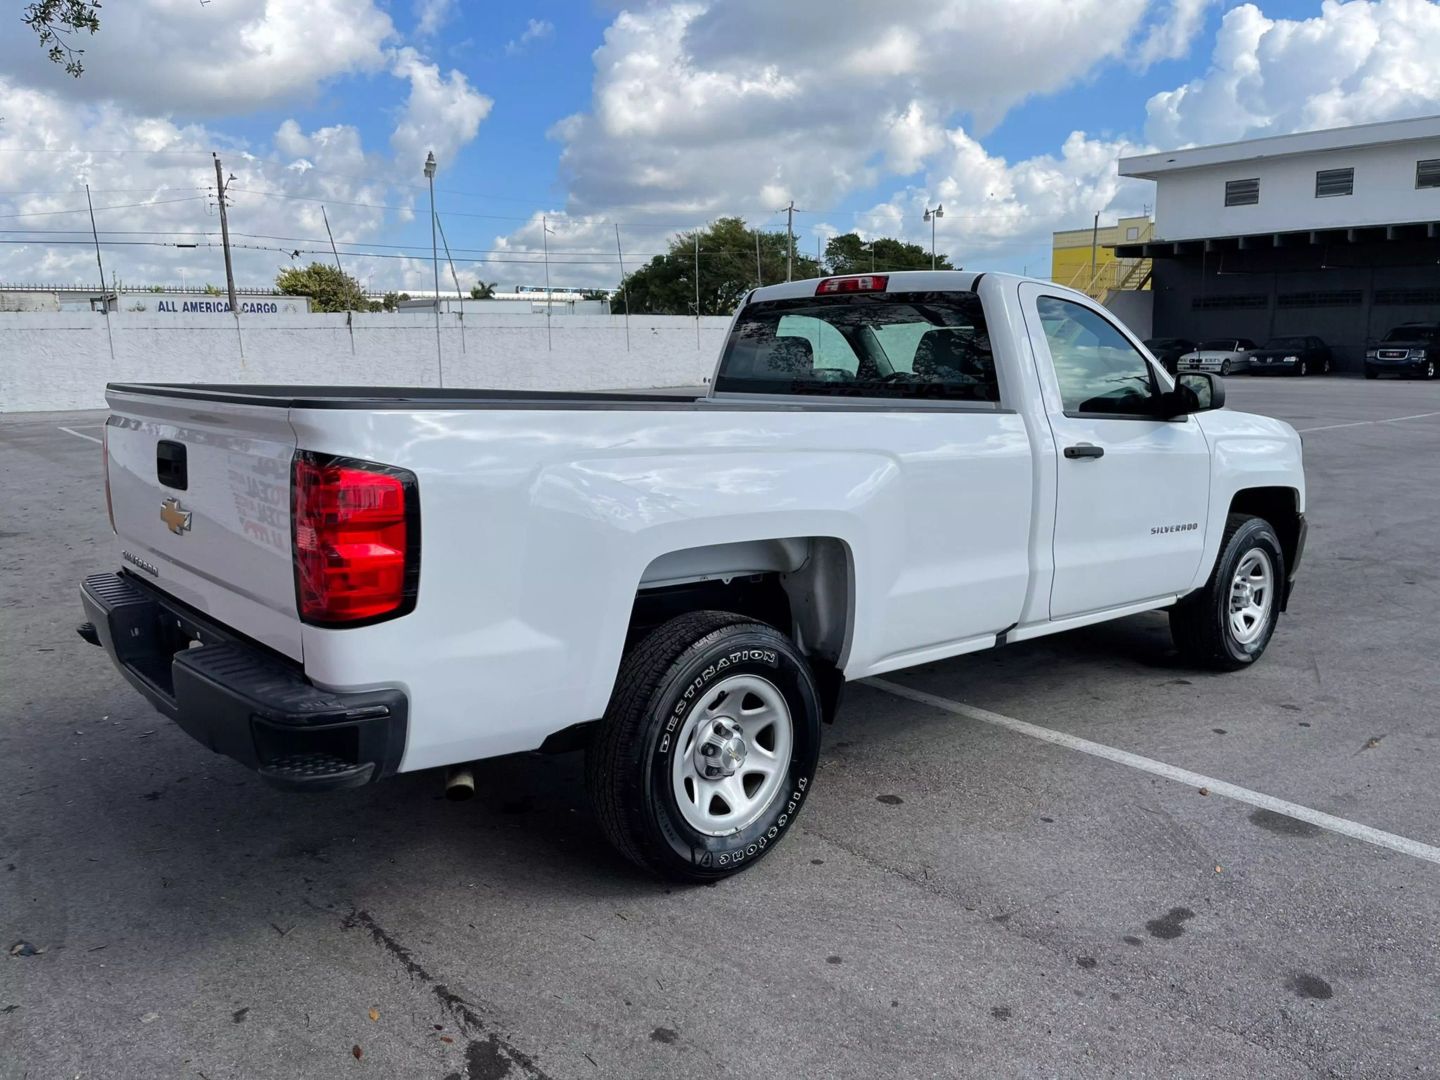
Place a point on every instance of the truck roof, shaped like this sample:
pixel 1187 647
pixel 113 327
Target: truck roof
pixel 900 281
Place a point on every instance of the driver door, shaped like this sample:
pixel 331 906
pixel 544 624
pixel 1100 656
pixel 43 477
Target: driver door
pixel 1132 490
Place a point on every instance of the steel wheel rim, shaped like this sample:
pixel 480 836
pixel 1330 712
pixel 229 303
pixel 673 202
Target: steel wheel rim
pixel 744 716
pixel 1252 591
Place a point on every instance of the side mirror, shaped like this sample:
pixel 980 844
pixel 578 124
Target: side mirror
pixel 1195 391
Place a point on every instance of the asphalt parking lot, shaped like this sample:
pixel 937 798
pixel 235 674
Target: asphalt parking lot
pixel 960 898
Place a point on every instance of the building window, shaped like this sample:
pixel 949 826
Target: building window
pixel 1331 182
pixel 1427 173
pixel 1132 233
pixel 1243 192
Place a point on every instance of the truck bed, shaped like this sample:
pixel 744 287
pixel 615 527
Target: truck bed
pixel 410 397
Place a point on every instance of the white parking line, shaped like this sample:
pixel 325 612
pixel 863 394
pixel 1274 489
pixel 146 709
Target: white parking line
pixel 80 434
pixel 1343 826
pixel 1362 423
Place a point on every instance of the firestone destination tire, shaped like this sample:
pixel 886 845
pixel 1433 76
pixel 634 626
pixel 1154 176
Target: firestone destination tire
pixel 707 750
pixel 1227 624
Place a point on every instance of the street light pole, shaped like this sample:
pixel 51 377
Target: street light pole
pixel 932 216
pixel 435 263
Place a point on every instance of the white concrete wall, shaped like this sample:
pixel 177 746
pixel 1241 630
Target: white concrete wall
pixel 1190 204
pixel 64 360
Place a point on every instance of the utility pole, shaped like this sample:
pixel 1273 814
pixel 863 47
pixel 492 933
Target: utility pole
pixel 1094 238
pixel 624 288
pixel 790 241
pixel 545 243
pixel 697 288
pixel 349 321
pixel 104 298
pixel 220 185
pixel 435 265
pixel 759 274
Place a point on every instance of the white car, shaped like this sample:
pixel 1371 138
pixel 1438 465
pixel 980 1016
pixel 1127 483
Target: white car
pixel 333 584
pixel 1224 356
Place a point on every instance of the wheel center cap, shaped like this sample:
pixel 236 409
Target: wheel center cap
pixel 721 749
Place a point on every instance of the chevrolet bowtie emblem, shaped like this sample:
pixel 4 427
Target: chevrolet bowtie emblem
pixel 175 516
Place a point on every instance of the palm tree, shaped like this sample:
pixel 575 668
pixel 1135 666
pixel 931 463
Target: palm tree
pixel 484 290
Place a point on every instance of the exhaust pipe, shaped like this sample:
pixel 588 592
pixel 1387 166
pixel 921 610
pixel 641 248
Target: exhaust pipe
pixel 459 783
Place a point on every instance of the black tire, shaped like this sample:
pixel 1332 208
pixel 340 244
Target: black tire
pixel 1304 368
pixel 1224 367
pixel 1371 373
pixel 1200 623
pixel 1429 372
pixel 627 768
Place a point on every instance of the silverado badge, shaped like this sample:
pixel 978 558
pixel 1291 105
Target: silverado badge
pixel 175 516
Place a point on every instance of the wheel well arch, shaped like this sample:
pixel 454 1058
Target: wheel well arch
pixel 802 585
pixel 1280 506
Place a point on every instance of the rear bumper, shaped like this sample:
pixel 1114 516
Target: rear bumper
pixel 239 699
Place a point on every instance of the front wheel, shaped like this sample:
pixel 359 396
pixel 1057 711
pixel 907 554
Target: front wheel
pixel 1371 373
pixel 1224 367
pixel 1430 369
pixel 1303 369
pixel 1227 624
pixel 708 747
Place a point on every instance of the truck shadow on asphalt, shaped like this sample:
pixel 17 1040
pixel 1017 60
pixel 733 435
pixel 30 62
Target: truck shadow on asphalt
pixel 198 825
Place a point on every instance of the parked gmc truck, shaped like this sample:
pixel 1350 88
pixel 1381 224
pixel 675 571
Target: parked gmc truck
pixel 332 585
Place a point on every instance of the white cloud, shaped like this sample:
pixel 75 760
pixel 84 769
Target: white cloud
pixel 162 188
pixel 441 114
pixel 535 30
pixel 165 56
pixel 1171 36
pixel 1352 63
pixel 430 15
pixel 995 210
pixel 700 110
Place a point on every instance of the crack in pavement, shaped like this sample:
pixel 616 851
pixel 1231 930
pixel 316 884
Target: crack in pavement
pixel 488 1056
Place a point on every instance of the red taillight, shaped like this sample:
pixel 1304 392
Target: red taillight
pixel 105 468
pixel 356 530
pixel 860 283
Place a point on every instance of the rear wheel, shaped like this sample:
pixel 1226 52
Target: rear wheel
pixel 708 747
pixel 1227 624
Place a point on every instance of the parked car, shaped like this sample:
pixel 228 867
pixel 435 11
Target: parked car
pixel 1168 351
pixel 1303 355
pixel 335 584
pixel 1227 356
pixel 1409 349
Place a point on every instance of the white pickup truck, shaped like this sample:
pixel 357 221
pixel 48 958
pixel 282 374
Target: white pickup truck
pixel 334 584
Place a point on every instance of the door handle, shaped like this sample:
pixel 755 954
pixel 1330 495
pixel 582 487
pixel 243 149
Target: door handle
pixel 1084 450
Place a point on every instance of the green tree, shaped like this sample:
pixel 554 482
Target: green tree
pixel 328 288
pixel 57 22
pixel 849 254
pixel 483 290
pixel 390 302
pixel 666 284
pixel 211 290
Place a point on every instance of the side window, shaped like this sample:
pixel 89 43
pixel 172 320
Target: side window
pixel 1098 370
pixel 829 351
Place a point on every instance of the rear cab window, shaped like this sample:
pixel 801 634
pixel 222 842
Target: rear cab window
pixel 916 345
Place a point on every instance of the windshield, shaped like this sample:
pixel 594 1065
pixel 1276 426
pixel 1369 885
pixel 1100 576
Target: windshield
pixel 1285 343
pixel 1412 333
pixel 923 344
pixel 1217 345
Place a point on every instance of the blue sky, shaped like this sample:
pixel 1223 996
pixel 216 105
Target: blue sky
pixel 659 116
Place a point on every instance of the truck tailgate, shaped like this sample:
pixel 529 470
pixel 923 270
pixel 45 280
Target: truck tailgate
pixel 200 493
